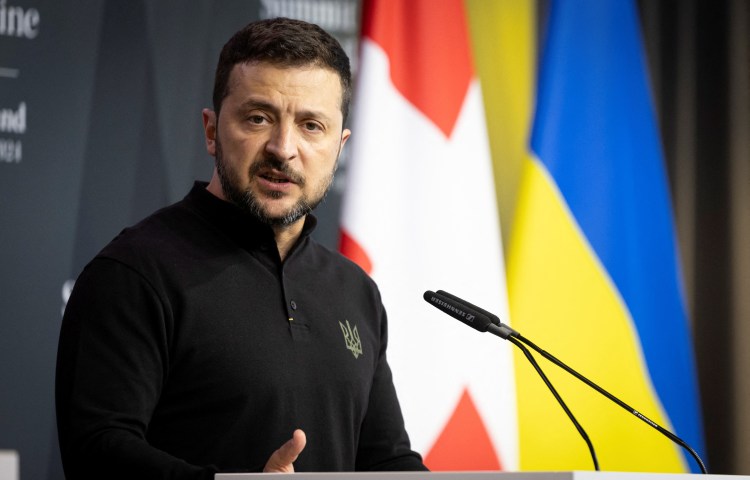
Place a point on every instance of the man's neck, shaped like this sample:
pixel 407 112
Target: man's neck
pixel 287 235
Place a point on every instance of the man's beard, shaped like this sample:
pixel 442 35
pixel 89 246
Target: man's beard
pixel 246 200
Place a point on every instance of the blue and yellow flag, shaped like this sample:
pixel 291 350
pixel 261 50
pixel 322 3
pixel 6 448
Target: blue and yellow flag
pixel 593 268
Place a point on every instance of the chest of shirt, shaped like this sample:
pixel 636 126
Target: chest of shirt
pixel 248 331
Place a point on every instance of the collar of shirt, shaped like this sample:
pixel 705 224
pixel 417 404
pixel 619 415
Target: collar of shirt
pixel 246 230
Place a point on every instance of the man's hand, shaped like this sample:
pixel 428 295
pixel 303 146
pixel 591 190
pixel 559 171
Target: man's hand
pixel 282 459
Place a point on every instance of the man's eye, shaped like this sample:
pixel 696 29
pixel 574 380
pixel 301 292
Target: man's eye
pixel 312 126
pixel 256 119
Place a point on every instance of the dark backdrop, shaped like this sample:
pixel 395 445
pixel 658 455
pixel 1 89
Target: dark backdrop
pixel 105 100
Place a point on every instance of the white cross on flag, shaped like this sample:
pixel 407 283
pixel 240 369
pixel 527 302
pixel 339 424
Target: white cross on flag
pixel 420 214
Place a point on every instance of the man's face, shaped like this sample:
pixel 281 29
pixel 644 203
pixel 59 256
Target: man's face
pixel 276 139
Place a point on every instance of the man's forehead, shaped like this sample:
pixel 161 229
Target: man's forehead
pixel 241 68
pixel 309 76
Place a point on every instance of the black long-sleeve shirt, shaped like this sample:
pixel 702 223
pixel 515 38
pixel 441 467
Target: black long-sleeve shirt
pixel 188 347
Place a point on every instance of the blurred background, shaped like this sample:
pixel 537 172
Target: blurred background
pixel 100 125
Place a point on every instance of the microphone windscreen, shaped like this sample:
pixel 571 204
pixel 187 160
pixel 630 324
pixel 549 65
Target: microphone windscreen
pixel 462 313
pixel 494 318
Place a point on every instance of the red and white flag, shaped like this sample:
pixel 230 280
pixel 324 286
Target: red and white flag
pixel 420 214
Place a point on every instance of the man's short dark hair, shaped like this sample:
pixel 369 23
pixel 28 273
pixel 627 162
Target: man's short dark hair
pixel 284 42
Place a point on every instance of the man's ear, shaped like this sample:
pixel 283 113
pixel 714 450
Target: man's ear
pixel 209 130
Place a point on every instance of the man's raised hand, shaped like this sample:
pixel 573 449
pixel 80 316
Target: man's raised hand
pixel 282 460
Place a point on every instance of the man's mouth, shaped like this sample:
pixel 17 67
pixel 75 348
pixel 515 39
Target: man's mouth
pixel 276 177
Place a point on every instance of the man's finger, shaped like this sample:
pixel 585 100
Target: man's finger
pixel 282 459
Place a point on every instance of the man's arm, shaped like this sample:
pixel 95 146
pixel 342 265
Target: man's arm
pixel 384 444
pixel 111 365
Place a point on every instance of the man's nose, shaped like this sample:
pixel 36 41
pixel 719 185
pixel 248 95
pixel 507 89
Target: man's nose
pixel 282 143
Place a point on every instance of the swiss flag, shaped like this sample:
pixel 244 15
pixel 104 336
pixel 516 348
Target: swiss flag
pixel 420 214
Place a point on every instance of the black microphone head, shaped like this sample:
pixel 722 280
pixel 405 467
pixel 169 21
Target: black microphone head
pixel 493 318
pixel 462 313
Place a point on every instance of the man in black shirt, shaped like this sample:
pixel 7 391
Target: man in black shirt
pixel 216 335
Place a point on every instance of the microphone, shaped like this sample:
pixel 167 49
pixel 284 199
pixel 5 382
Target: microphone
pixel 482 320
pixel 452 302
pixel 493 318
pixel 467 313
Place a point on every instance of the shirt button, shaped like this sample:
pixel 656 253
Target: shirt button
pixel 293 304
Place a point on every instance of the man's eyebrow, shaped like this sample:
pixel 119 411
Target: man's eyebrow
pixel 253 103
pixel 316 114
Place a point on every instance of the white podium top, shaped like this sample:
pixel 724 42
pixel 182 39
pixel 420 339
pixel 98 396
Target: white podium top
pixel 582 475
pixel 8 465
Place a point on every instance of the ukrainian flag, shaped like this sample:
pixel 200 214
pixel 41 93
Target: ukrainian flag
pixel 593 268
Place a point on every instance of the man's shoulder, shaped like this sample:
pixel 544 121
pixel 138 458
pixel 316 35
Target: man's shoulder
pixel 154 237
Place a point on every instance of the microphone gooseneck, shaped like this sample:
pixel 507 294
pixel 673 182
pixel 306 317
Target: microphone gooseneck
pixel 616 400
pixel 451 302
pixel 559 399
pixel 479 319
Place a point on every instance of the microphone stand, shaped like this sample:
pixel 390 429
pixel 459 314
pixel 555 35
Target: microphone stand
pixel 495 326
pixel 482 321
pixel 557 396
pixel 616 400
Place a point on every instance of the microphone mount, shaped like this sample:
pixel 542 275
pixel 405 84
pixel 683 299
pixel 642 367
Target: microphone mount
pixel 492 323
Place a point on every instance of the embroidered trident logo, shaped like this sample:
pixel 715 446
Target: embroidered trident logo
pixel 351 337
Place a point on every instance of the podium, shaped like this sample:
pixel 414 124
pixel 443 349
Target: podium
pixel 8 465
pixel 575 475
